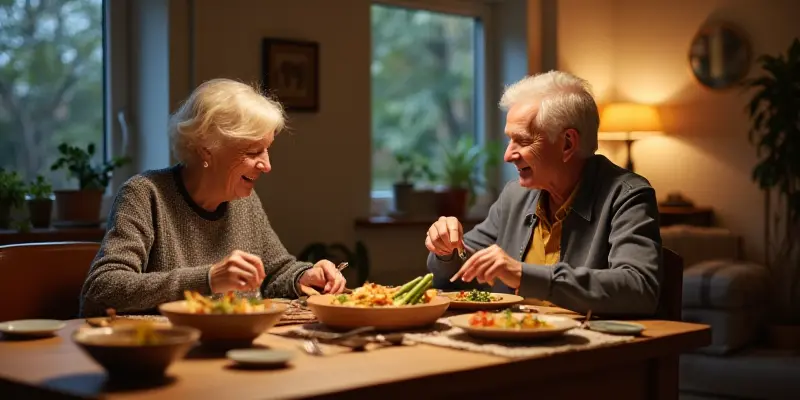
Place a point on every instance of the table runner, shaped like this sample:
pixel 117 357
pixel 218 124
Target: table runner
pixel 445 335
pixel 572 340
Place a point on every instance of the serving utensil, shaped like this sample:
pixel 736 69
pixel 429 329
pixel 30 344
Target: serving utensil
pixel 586 320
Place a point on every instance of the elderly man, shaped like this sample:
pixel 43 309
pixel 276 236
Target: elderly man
pixel 577 230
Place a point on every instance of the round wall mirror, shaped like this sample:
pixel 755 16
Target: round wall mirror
pixel 719 56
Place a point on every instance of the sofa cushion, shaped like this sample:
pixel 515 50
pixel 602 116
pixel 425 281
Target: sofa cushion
pixel 725 284
pixel 730 329
pixel 748 374
pixel 697 244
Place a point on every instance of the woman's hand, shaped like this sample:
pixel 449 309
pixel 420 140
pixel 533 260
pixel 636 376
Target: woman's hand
pixel 237 271
pixel 324 275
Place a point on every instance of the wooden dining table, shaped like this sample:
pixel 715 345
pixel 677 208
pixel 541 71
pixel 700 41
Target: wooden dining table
pixel 645 368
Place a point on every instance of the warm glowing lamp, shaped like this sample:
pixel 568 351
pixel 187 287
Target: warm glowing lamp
pixel 629 122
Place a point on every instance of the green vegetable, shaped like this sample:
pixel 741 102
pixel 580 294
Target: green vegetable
pixel 416 293
pixel 342 298
pixel 405 288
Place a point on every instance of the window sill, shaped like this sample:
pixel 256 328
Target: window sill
pixel 40 235
pixel 389 222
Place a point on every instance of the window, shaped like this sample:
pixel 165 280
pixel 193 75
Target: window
pixel 424 85
pixel 51 83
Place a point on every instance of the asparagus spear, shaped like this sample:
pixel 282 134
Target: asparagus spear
pixel 405 288
pixel 418 289
pixel 421 292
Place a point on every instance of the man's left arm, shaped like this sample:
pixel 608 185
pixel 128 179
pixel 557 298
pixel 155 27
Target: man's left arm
pixel 630 284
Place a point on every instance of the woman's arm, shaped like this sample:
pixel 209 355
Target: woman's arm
pixel 282 269
pixel 115 279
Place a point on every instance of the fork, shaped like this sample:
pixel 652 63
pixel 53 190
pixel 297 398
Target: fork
pixel 312 347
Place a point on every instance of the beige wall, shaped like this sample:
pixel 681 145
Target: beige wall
pixel 321 171
pixel 637 50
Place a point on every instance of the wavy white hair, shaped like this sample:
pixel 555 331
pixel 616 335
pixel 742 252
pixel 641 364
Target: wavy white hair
pixel 221 110
pixel 566 101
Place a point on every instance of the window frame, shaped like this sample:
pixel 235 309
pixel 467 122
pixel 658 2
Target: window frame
pixel 485 112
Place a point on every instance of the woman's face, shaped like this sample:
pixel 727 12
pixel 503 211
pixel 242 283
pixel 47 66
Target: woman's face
pixel 236 166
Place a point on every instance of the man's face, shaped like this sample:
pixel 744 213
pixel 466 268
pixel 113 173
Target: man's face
pixel 536 158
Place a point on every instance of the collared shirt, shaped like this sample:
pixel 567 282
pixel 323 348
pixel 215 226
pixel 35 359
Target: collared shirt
pixel 545 246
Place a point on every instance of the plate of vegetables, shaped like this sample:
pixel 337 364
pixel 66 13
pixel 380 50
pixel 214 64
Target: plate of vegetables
pixel 412 305
pixel 481 300
pixel 508 325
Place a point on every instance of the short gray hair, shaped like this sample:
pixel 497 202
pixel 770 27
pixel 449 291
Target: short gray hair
pixel 566 101
pixel 220 110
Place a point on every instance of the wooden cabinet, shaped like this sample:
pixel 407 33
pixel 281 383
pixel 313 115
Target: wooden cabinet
pixel 695 216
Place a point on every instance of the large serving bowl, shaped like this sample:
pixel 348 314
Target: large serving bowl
pixel 119 352
pixel 224 329
pixel 343 317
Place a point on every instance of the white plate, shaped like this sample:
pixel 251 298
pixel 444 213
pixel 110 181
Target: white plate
pixel 557 326
pixel 32 327
pixel 260 357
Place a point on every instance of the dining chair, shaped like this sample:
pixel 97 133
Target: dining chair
pixel 671 298
pixel 43 280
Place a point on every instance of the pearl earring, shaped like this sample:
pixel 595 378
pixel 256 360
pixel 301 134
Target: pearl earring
pixel 205 164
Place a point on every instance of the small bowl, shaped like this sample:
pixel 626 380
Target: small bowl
pixel 118 352
pixel 224 330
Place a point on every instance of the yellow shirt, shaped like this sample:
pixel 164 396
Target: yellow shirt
pixel 545 246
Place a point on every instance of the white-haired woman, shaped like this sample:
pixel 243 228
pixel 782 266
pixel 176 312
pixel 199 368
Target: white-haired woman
pixel 198 225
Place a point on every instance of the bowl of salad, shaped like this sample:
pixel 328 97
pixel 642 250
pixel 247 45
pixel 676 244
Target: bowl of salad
pixel 227 320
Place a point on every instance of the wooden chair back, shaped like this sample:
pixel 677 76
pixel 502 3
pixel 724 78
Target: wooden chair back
pixel 670 301
pixel 43 280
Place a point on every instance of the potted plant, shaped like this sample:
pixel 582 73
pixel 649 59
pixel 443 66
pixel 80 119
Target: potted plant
pixel 40 202
pixel 409 200
pixel 82 206
pixel 12 195
pixel 404 188
pixel 774 110
pixel 461 174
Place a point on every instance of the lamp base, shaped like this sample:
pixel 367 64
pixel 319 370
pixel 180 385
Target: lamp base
pixel 628 144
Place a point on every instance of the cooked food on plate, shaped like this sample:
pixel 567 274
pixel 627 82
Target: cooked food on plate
pixel 506 320
pixel 474 295
pixel 229 303
pixel 417 291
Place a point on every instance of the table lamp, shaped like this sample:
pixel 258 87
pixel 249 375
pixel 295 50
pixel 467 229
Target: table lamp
pixel 629 122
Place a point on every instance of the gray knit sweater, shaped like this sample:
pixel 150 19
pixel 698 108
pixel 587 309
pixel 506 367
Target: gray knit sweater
pixel 159 242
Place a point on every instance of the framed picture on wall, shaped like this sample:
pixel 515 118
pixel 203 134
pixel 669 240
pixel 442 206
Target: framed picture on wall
pixel 290 72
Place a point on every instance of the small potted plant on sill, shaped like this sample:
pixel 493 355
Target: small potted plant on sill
pixel 40 202
pixel 82 207
pixel 412 169
pixel 461 174
pixel 12 195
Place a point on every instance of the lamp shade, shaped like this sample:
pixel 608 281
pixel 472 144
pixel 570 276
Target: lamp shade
pixel 629 121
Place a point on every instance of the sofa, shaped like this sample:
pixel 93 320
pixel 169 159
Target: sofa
pixel 730 294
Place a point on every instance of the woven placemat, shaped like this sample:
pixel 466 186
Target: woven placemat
pixel 573 340
pixel 297 314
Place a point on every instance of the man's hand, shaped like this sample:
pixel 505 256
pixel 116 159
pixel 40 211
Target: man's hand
pixel 444 236
pixel 489 264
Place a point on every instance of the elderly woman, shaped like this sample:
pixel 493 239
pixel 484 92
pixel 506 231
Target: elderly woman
pixel 198 225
